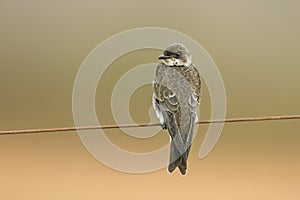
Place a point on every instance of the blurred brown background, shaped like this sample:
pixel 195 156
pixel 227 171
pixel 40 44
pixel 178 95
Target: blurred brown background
pixel 256 46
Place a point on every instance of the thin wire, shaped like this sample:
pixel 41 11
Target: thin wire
pixel 85 128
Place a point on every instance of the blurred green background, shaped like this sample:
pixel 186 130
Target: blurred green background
pixel 256 46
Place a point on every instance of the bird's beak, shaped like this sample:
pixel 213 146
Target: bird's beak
pixel 162 57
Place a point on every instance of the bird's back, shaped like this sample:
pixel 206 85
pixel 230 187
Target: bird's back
pixel 178 81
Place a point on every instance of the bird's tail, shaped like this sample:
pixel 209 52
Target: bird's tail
pixel 178 159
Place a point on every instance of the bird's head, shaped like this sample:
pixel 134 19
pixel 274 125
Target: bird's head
pixel 176 55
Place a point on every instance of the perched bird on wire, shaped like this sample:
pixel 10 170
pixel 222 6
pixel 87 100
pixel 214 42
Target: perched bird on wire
pixel 176 100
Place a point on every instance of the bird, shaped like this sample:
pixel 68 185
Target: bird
pixel 176 98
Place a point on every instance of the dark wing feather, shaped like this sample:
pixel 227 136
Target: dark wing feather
pixel 168 104
pixel 193 76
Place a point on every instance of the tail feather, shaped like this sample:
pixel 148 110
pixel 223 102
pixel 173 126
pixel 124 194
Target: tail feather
pixel 189 139
pixel 177 159
pixel 183 161
pixel 180 144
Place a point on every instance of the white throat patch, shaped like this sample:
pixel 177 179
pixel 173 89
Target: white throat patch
pixel 175 62
pixel 172 62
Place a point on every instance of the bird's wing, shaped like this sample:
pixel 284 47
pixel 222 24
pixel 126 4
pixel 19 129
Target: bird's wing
pixel 193 77
pixel 166 98
pixel 168 104
pixel 195 83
